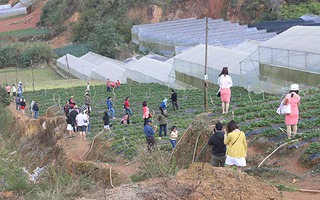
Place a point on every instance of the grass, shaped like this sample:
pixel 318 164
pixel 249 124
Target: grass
pixel 25 32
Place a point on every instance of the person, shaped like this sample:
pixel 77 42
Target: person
pixel 162 118
pixel 216 140
pixel 163 104
pixel 149 132
pixel 14 90
pixel 18 101
pixel 23 105
pixel 88 88
pixel 236 143
pixel 110 107
pixel 35 108
pixel 126 106
pixel 106 122
pixel 174 136
pixel 225 83
pixel 20 89
pixel 8 89
pixel 69 126
pixel 291 119
pixel 66 108
pixel 108 85
pixel 73 115
pixel 87 103
pixel 31 108
pixel 125 119
pixel 86 122
pixel 174 99
pixel 146 113
pixel 71 102
pixel 80 120
pixel 117 84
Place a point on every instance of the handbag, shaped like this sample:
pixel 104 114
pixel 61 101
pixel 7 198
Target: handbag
pixel 284 109
pixel 218 93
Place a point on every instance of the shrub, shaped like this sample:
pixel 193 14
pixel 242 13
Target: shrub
pixel 4 97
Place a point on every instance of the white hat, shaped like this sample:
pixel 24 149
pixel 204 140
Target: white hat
pixel 294 87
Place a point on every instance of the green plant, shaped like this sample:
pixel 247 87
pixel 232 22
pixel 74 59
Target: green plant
pixel 282 187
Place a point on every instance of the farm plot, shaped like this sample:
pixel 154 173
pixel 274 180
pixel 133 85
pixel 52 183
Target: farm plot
pixel 24 33
pixel 255 113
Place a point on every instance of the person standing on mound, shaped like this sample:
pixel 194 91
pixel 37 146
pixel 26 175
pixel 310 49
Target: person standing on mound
pixel 216 140
pixel 80 119
pixel 236 146
pixel 292 119
pixel 225 83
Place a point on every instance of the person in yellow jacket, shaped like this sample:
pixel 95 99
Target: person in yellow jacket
pixel 236 146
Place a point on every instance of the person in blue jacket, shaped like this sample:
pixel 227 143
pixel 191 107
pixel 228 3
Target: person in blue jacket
pixel 149 131
pixel 163 104
pixel 110 107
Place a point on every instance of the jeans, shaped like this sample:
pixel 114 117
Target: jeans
pixel 18 106
pixel 129 111
pixel 164 128
pixel 108 89
pixel 36 114
pixel 113 112
pixel 173 143
pixel 175 105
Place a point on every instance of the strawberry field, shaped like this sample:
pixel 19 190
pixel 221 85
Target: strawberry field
pixel 255 113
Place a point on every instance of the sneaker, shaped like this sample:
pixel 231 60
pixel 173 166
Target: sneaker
pixel 113 118
pixel 159 138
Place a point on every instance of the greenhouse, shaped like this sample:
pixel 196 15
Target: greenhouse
pixel 292 56
pixel 76 66
pixel 189 67
pixel 98 59
pixel 110 71
pixel 148 70
pixel 164 37
pixel 20 8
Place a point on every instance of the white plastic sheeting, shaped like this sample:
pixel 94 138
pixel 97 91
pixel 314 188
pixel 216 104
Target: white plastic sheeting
pixel 295 49
pixel 148 70
pixel 7 6
pixel 110 71
pixel 192 62
pixel 13 12
pixel 98 59
pixel 77 67
pixel 165 36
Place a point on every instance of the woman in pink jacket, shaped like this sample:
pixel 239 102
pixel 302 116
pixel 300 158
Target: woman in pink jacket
pixel 145 111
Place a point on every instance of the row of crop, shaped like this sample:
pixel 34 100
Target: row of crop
pixel 23 33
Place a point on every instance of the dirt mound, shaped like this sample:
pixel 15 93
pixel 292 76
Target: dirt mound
pixel 200 181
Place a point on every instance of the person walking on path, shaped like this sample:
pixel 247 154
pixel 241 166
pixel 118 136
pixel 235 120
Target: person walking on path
pixel 87 122
pixel 162 119
pixel 18 101
pixel 20 89
pixel 110 107
pixel 145 112
pixel 126 106
pixel 8 89
pixel 69 126
pixel 88 88
pixel 87 102
pixel 106 121
pixel 14 90
pixel 108 85
pixel 292 119
pixel 35 108
pixel 66 108
pixel 225 83
pixel 174 99
pixel 23 105
pixel 31 108
pixel 218 151
pixel 80 119
pixel 174 136
pixel 149 132
pixel 236 143
pixel 73 115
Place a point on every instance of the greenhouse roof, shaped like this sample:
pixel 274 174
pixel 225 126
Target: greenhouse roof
pixel 218 57
pixel 248 46
pixel 109 71
pixel 77 64
pixel 298 38
pixel 98 59
pixel 151 67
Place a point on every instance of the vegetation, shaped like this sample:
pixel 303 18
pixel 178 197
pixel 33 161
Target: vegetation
pixel 75 49
pixel 25 33
pixel 4 97
pixel 24 54
pixel 291 11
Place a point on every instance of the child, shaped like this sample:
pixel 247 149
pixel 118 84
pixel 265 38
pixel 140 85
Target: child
pixel 106 122
pixel 173 136
pixel 125 119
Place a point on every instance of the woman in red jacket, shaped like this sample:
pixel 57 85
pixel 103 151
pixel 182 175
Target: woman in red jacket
pixel 145 111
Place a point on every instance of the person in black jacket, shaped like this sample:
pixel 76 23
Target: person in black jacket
pixel 35 109
pixel 218 146
pixel 106 121
pixel 174 99
pixel 73 115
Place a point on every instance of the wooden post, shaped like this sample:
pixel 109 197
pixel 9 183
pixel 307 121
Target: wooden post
pixel 205 70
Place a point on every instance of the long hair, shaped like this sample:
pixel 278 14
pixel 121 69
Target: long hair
pixel 224 71
pixel 161 110
pixel 231 126
pixel 295 91
pixel 144 103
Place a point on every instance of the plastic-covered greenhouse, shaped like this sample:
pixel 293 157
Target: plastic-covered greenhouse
pixel 18 9
pixel 292 56
pixel 110 71
pixel 165 36
pixel 77 67
pixel 189 67
pixel 148 70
